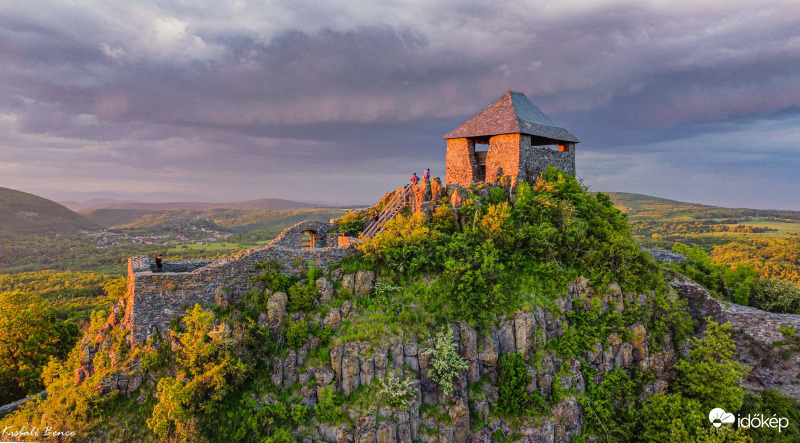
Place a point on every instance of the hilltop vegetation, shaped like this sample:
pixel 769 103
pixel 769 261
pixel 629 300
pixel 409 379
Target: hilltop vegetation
pixel 493 249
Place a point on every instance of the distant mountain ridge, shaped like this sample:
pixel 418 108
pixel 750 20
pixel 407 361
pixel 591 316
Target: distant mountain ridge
pixel 27 214
pixel 262 204
pixel 647 205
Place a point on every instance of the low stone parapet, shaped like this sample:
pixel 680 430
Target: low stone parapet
pixel 154 299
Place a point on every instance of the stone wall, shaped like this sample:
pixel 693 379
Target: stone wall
pixel 291 237
pixel 759 342
pixel 504 153
pixel 141 263
pixel 534 161
pixel 461 164
pixel 153 299
pixel 511 152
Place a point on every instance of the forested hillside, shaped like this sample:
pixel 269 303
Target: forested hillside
pixel 26 214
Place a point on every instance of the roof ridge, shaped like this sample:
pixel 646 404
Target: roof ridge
pixel 514 114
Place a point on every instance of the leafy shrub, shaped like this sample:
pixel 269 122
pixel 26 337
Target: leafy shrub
pixel 497 225
pixel 406 246
pixel 328 408
pixel 324 334
pixel 513 398
pixel 670 417
pixel 498 195
pixel 271 278
pixel 150 360
pixel 609 405
pixel 302 296
pixel 776 296
pixel 281 436
pixel 446 364
pixel 770 402
pixel 444 219
pixel 313 273
pixel 300 414
pixel 397 391
pixel 351 223
pixel 207 373
pixel 296 334
pixel 734 283
pixel 710 374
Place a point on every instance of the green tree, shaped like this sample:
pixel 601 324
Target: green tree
pixel 30 335
pixel 207 372
pixel 710 375
pixel 776 296
pixel 770 402
pixel 670 417
pixel 513 379
pixel 446 364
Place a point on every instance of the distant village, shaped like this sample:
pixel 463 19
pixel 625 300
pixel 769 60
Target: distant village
pixel 176 235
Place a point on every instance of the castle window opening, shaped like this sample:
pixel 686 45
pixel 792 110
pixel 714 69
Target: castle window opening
pixel 481 152
pixel 307 239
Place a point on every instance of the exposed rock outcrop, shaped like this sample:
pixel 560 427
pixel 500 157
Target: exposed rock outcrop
pixel 759 342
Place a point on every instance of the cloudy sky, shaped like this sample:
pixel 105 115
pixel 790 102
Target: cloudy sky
pixel 339 101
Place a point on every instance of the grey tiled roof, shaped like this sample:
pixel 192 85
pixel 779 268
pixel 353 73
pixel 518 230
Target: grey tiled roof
pixel 510 114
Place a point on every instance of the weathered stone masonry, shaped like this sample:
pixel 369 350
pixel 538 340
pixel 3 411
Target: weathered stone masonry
pixel 522 141
pixel 153 299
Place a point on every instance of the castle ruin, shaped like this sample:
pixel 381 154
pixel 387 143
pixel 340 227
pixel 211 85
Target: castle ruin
pixel 510 137
pixel 521 142
pixel 153 298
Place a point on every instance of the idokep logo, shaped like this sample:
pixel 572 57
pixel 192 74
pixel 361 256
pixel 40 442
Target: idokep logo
pixel 719 417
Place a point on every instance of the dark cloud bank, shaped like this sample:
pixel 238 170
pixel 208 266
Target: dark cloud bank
pixel 342 102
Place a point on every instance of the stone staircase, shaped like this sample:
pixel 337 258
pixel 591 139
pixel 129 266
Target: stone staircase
pixel 390 211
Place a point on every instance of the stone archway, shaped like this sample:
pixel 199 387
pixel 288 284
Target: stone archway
pixel 308 239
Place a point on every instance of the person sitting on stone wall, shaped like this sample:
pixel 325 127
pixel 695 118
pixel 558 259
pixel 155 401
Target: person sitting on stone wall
pixel 427 174
pixel 159 264
pixel 414 179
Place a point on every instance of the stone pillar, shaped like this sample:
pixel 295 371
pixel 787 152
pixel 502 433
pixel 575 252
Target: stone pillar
pixel 461 165
pixel 504 152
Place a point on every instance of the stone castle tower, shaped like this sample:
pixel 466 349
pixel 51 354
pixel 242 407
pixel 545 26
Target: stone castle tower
pixel 511 136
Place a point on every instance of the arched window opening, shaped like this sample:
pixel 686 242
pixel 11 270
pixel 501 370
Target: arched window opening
pixel 308 239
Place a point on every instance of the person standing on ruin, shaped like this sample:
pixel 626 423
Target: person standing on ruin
pixel 414 179
pixel 159 263
pixel 427 174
